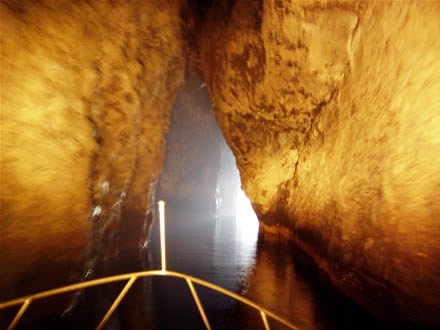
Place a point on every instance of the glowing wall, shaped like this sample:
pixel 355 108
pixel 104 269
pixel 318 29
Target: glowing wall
pixel 86 89
pixel 332 111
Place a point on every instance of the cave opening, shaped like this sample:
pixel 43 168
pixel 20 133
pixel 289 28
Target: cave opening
pixel 212 229
pixel 329 107
pixel 200 181
pixel 213 234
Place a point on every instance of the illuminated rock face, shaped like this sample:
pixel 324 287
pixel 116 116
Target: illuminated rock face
pixel 332 111
pixel 86 90
pixel 330 107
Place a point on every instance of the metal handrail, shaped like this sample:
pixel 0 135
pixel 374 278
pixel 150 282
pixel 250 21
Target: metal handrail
pixel 131 278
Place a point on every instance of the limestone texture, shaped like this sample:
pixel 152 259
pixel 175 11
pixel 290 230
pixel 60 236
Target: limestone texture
pixel 86 90
pixel 330 107
pixel 332 111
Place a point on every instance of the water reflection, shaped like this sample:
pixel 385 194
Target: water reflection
pixel 222 246
pixel 272 273
pixel 210 248
pixel 235 241
pixel 276 285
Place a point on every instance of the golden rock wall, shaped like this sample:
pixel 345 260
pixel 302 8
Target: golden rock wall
pixel 86 89
pixel 330 107
pixel 332 111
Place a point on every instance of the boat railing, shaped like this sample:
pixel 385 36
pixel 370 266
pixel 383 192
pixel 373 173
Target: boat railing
pixel 131 278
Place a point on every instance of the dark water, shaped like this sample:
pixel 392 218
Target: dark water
pixel 223 250
pixel 271 273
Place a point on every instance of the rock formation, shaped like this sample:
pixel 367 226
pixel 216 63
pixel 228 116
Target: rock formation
pixel 86 89
pixel 330 107
pixel 332 111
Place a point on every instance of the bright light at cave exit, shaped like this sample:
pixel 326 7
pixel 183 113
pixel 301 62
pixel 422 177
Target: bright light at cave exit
pixel 247 221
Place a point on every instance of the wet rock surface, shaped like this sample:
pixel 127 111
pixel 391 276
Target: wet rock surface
pixel 331 109
pixel 86 94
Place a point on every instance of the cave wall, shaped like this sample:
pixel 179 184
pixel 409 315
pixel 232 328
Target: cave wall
pixel 188 180
pixel 86 89
pixel 332 111
pixel 330 107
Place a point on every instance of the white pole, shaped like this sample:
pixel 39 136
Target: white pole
pixel 162 235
